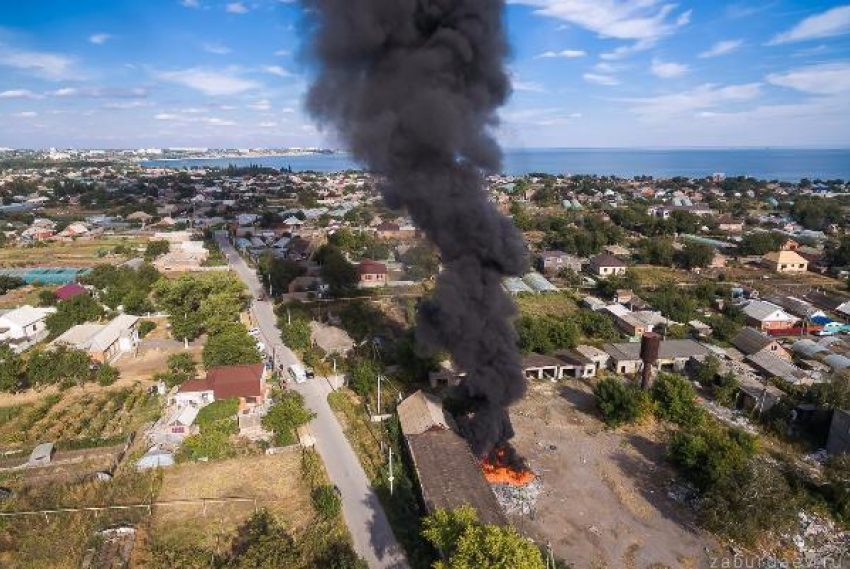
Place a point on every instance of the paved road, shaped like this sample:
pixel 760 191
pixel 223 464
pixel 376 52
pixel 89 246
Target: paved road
pixel 370 531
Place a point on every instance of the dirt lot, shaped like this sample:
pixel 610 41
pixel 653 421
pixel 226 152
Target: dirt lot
pixel 275 481
pixel 152 358
pixel 604 502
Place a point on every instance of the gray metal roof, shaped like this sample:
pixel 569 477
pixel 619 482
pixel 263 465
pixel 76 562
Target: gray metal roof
pixel 668 350
pixel 837 362
pixel 808 348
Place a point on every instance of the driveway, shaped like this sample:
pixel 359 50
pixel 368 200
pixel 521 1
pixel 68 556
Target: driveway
pixel 370 531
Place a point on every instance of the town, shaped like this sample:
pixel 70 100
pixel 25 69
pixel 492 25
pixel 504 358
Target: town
pixel 184 348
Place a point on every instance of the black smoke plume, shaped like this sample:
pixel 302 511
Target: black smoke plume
pixel 412 88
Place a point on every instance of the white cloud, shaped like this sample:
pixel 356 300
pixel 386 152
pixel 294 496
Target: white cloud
pixel 52 66
pixel 667 69
pixel 267 124
pixel 211 82
pixel 214 121
pixel 601 79
pixel 190 3
pixel 216 48
pixel 282 53
pixel 626 50
pixel 100 93
pixel 620 19
pixel 703 98
pixel 99 39
pixel 128 105
pixel 25 114
pixel 834 22
pixel 167 117
pixel 527 86
pixel 723 47
pixel 823 79
pixel 237 8
pixel 565 53
pixel 263 105
pixel 19 94
pixel 540 117
pixel 276 70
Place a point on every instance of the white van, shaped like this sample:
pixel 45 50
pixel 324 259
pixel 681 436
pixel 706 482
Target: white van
pixel 297 373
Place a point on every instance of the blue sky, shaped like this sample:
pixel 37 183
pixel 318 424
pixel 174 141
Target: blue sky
pixel 586 73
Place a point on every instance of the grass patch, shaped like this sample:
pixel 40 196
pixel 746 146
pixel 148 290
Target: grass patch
pixel 553 304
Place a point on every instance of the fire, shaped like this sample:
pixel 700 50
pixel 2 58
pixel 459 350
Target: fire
pixel 497 470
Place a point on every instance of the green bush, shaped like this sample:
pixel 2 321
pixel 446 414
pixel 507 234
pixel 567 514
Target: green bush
pixel 711 454
pixel 326 501
pixel 212 444
pixel 621 403
pixel 837 473
pixel 675 400
pixel 106 375
pixel 146 327
pixel 286 415
pixel 751 501
pixel 219 416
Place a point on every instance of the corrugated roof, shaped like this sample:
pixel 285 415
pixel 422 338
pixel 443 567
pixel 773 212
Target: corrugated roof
pixel 668 350
pixel 538 282
pixel 808 348
pixel 450 476
pixel 837 362
pixel 421 412
pixel 750 341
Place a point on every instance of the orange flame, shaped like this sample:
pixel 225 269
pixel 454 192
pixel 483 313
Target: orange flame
pixel 496 471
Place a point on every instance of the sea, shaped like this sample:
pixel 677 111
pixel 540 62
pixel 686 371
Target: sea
pixel 789 165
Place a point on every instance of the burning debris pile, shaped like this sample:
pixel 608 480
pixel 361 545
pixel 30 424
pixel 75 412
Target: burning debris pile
pixel 515 485
pixel 412 88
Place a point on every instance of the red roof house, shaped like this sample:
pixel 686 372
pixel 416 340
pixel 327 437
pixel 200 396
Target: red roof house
pixel 372 273
pixel 246 382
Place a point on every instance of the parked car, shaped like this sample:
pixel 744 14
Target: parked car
pixel 309 373
pixel 254 332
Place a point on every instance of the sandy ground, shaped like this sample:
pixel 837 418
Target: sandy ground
pixel 604 503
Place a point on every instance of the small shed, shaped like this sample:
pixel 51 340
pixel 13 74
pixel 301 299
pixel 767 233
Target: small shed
pixel 41 455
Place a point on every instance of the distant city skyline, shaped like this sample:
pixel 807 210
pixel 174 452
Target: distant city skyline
pixel 586 73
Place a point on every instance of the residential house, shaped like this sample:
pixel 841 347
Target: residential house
pixel 785 262
pixel 24 327
pixel 767 316
pixel 553 262
pixel 770 365
pixel 575 364
pixel 245 382
pixel 750 341
pixel 729 224
pixel 371 274
pixel 606 265
pixel 673 355
pixel 796 306
pixel 599 357
pixel 104 342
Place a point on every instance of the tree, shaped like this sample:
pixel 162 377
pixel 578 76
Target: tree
pixel 106 375
pixel 363 374
pixel 468 544
pixel 62 365
pixel 760 243
pixel 193 302
pixel 262 543
pixel 8 283
pixel 13 377
pixel 337 272
pixel 695 255
pixel 76 310
pixel 156 249
pixel 46 298
pixel 657 252
pixel 297 335
pixel 675 400
pixel 279 272
pixel 835 393
pixel 285 416
pixel 231 345
pixel 212 444
pixel 421 262
pixel 621 403
pixel 545 334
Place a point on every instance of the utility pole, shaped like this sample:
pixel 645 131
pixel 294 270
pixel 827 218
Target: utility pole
pixel 379 396
pixel 391 477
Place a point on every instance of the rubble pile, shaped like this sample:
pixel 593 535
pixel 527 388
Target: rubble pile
pixel 818 543
pixel 518 500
